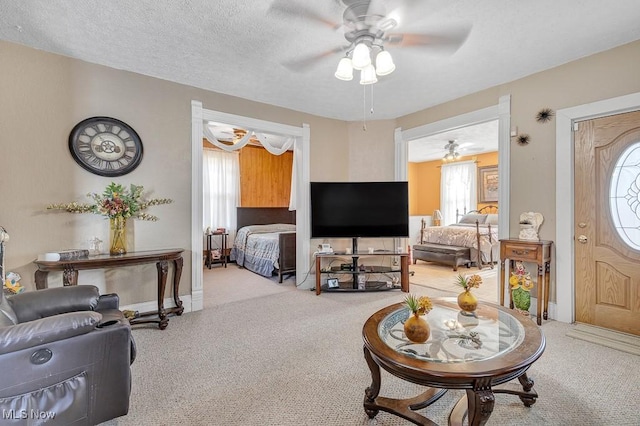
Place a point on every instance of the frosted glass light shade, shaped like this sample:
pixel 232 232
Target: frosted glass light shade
pixel 361 57
pixel 384 63
pixel 344 70
pixel 368 75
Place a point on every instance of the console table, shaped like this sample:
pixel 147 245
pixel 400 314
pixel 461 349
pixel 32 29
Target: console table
pixel 161 258
pixel 538 252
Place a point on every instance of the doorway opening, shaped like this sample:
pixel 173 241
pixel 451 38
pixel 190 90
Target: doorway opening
pixel 501 114
pixel 301 161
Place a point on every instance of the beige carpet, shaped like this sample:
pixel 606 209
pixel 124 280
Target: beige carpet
pixel 440 277
pixel 275 355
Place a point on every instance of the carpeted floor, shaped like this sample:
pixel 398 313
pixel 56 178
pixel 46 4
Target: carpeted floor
pixel 440 277
pixel 263 353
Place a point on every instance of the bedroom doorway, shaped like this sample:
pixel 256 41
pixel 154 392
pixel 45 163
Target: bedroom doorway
pixel 301 163
pixel 499 113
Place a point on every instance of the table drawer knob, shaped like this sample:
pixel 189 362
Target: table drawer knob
pixel 521 252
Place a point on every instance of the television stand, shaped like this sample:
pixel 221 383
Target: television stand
pixel 355 272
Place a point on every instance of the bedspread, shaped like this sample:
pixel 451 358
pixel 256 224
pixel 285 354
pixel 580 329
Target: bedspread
pixel 256 247
pixel 462 235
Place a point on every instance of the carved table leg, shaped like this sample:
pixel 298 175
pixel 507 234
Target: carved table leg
pixel 527 395
pixel 481 401
pixel 41 279
pixel 541 296
pixel 547 267
pixel 177 273
pixel 372 392
pixel 511 267
pixel 527 384
pixel 404 408
pixel 69 276
pixel 163 267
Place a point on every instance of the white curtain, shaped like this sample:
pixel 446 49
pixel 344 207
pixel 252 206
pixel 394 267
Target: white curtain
pixel 265 141
pixel 221 190
pixel 458 190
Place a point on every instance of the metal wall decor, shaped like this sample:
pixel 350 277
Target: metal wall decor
pixel 523 139
pixel 544 115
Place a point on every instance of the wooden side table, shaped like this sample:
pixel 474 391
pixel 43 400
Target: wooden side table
pixel 538 252
pixel 223 248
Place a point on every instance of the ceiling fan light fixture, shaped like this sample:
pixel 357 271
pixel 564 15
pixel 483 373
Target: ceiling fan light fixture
pixel 452 153
pixel 345 70
pixel 361 56
pixel 368 75
pixel 384 63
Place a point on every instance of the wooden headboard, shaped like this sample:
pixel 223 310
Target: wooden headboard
pixel 264 216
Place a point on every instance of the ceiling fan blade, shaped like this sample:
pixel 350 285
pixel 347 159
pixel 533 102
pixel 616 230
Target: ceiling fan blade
pixel 298 10
pixel 444 42
pixel 303 63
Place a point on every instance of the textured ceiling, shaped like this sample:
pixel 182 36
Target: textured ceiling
pixel 245 48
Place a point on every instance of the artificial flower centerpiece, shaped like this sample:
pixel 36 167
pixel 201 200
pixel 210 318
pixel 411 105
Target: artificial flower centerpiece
pixel 416 328
pixel 467 301
pixel 521 285
pixel 117 203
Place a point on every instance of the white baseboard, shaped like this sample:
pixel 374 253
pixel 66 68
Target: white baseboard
pixel 551 312
pixel 153 305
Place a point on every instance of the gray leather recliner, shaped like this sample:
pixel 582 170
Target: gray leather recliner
pixel 65 356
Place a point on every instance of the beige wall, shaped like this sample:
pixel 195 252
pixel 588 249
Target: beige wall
pixel 371 151
pixel 605 75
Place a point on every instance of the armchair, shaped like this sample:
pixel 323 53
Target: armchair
pixel 65 356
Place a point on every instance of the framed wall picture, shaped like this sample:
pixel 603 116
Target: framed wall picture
pixel 488 184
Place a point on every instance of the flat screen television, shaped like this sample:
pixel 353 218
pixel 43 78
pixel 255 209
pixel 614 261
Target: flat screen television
pixel 359 209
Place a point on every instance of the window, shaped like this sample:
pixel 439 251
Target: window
pixel 458 190
pixel 624 196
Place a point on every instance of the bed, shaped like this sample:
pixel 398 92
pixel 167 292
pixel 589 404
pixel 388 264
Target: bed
pixel 472 239
pixel 265 242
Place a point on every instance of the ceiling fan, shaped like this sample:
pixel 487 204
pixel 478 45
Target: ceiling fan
pixel 369 27
pixel 452 151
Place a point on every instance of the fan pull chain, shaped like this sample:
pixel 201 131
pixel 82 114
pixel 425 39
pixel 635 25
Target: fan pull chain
pixel 364 108
pixel 371 99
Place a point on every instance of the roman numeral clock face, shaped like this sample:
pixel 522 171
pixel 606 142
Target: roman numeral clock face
pixel 105 146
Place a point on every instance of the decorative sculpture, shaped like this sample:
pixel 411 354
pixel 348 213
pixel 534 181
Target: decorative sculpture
pixel 529 224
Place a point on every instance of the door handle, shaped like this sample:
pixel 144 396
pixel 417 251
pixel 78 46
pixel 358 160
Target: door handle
pixel 582 239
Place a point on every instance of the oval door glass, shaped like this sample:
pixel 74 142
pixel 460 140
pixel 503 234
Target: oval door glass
pixel 624 196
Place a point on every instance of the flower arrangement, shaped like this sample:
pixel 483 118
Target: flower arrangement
pixel 116 201
pixel 418 305
pixel 469 282
pixel 521 285
pixel 415 327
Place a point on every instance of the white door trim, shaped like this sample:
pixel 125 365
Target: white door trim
pixel 302 134
pixel 564 244
pixel 501 112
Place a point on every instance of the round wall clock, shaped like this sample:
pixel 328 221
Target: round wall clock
pixel 105 146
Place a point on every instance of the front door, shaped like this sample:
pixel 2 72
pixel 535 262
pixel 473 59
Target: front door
pixel 607 222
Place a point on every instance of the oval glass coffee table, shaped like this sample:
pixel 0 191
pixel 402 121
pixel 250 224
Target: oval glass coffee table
pixel 476 353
